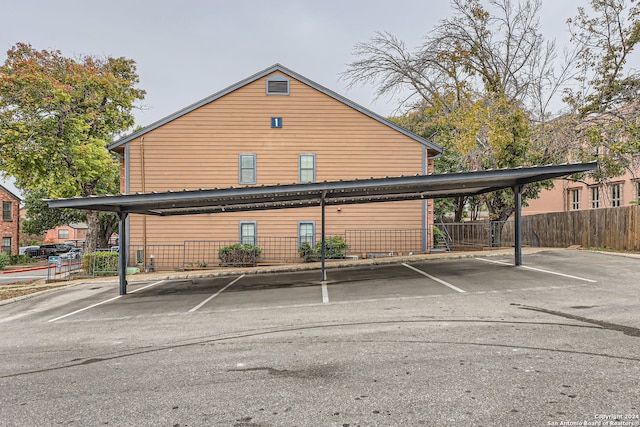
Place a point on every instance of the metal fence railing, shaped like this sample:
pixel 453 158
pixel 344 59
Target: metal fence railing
pixel 374 243
pixel 491 234
pixel 63 268
pixel 157 257
pixel 194 254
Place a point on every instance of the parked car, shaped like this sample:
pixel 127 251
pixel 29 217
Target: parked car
pixel 74 253
pixel 50 249
pixel 24 250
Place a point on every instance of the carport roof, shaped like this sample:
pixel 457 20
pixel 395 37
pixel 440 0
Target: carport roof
pixel 372 190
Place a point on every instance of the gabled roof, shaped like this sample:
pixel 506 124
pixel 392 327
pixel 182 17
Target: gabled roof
pixel 3 189
pixel 281 69
pixel 372 190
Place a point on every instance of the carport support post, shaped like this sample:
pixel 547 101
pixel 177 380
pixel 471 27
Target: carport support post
pixel 517 193
pixel 122 252
pixel 322 250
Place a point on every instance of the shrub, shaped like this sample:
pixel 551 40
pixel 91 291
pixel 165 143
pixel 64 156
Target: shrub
pixel 4 260
pixel 239 253
pixel 100 263
pixel 19 259
pixel 308 253
pixel 438 236
pixel 335 248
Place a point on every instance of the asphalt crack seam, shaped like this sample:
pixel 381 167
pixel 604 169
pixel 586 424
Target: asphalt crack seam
pixel 627 330
pixel 258 332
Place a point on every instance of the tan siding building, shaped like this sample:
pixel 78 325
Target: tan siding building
pixel 276 127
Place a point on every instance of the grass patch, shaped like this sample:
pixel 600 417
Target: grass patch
pixel 14 291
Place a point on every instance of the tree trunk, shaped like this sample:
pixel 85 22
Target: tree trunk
pixel 107 223
pixel 500 209
pixel 93 226
pixel 460 201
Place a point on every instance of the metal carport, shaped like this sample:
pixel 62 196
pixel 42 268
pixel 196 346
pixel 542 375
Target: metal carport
pixel 218 200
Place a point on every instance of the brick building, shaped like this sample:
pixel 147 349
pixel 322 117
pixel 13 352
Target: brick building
pixel 10 221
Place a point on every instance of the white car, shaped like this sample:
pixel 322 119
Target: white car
pixel 74 253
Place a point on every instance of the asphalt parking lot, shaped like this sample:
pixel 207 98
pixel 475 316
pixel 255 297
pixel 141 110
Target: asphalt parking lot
pixel 472 341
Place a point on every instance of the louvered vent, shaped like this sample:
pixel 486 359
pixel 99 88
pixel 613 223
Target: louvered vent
pixel 278 86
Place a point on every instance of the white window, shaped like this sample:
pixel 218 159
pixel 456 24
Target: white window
pixel 248 232
pixel 63 234
pixel 247 168
pixel 306 233
pixel 616 195
pixel 574 199
pixel 594 192
pixel 6 211
pixel 307 168
pixel 6 245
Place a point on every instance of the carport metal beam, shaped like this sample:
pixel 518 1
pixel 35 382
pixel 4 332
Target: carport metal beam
pixel 374 190
pixel 122 253
pixel 323 271
pixel 517 193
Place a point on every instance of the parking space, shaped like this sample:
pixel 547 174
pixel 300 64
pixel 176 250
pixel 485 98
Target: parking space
pixel 554 340
pixel 420 279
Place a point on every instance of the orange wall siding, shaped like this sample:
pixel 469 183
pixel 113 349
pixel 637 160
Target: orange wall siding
pixel 557 199
pixel 201 149
pixel 284 222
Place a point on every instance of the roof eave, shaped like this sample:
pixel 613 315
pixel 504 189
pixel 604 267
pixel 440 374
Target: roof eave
pixel 257 76
pixel 4 189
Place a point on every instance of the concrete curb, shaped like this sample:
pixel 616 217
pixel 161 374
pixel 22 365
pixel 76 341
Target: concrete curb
pixel 23 270
pixel 315 266
pixel 621 254
pixel 288 268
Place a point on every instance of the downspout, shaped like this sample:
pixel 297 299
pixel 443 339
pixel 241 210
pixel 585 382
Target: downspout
pixel 144 190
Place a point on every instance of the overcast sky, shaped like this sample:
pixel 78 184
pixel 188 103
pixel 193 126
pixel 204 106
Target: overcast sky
pixel 189 49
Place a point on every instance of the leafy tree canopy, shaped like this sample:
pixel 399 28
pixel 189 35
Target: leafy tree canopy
pixel 479 86
pixel 57 115
pixel 606 98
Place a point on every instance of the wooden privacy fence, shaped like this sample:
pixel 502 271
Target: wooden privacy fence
pixel 614 228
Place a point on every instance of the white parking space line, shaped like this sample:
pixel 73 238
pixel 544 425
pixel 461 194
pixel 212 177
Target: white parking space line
pixel 325 293
pixel 538 270
pixel 214 295
pixel 84 309
pixel 447 284
pixel 147 286
pixel 104 302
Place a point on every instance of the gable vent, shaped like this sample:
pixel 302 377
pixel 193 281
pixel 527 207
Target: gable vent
pixel 278 85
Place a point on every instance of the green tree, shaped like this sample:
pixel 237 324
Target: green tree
pixel 57 115
pixel 480 86
pixel 606 100
pixel 41 218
